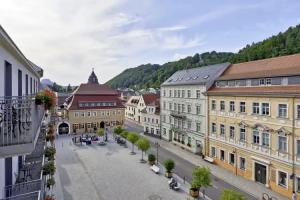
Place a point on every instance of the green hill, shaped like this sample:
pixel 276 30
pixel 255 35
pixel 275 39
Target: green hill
pixel 152 75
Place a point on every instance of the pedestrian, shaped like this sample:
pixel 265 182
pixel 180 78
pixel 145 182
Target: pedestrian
pixel 294 196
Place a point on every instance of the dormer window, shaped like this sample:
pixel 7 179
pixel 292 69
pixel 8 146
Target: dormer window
pixel 268 81
pixel 262 81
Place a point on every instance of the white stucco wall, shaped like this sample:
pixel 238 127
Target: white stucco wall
pixel 16 65
pixel 193 116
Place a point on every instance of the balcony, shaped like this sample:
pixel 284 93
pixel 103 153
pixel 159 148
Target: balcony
pixel 20 122
pixel 177 114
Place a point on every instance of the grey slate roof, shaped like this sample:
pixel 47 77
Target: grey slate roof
pixel 205 75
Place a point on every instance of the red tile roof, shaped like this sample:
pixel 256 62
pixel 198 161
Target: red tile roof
pixel 279 66
pixel 95 98
pixel 95 89
pixel 151 99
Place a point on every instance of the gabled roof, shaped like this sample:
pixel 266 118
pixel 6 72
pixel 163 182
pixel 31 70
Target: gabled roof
pixel 95 89
pixel 151 99
pixel 271 67
pixel 205 75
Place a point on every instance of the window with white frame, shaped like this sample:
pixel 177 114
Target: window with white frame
pixel 222 155
pixel 231 106
pixel 183 93
pixel 268 81
pixel 164 93
pixel 222 105
pixel 170 93
pixel 164 105
pixel 95 113
pixel 175 93
pixel 145 119
pixel 189 94
pixel 282 110
pixel 298 148
pixel 183 107
pixel 222 130
pixel 213 127
pixel 213 152
pixel 189 124
pixel 198 94
pixel 282 143
pixel 82 114
pixel 242 134
pixel 255 108
pixel 175 106
pixel 179 108
pixel 265 109
pixel 198 110
pixel 231 159
pixel 213 104
pixel 170 106
pixel 189 109
pixel 198 127
pixel 178 93
pixel 282 178
pixel 231 132
pixel 164 131
pixel 256 137
pixel 76 114
pixel 242 163
pixel 242 107
pixel 266 139
pixel 262 81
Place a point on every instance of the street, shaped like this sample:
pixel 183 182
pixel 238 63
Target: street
pixel 184 168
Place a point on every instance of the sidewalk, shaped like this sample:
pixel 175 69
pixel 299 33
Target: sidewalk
pixel 247 186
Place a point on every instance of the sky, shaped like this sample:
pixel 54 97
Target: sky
pixel 68 38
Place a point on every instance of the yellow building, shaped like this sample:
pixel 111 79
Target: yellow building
pixel 254 122
pixel 93 106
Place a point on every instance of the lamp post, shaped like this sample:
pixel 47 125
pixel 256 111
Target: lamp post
pixel 157 145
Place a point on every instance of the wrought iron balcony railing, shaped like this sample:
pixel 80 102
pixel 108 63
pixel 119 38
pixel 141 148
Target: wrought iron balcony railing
pixel 178 114
pixel 20 121
pixel 23 190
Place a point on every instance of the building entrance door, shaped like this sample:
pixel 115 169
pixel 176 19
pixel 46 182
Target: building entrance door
pixel 260 173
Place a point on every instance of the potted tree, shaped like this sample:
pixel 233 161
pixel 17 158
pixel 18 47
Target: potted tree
pixel 151 159
pixel 50 152
pixel 118 130
pixel 201 178
pixel 133 138
pixel 50 183
pixel 169 165
pixel 124 135
pixel 100 133
pixel 49 168
pixel 228 194
pixel 143 144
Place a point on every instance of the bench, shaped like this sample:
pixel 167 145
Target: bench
pixel 209 159
pixel 155 169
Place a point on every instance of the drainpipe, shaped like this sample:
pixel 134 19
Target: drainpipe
pixel 293 143
pixel 207 127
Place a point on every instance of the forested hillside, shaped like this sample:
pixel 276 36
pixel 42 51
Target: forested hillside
pixel 152 75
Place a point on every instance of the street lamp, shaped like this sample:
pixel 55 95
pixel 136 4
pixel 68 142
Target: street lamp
pixel 157 145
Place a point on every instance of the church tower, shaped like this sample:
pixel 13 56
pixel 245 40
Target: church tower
pixel 93 78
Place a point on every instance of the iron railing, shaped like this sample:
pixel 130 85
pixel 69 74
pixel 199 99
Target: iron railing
pixel 20 120
pixel 23 189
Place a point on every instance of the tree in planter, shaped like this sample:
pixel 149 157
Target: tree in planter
pixel 49 168
pixel 201 178
pixel 100 133
pixel 169 165
pixel 133 138
pixel 118 130
pixel 50 183
pixel 143 144
pixel 124 135
pixel 228 194
pixel 151 159
pixel 50 152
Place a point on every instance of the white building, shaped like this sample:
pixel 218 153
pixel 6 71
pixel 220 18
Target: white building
pixel 151 114
pixel 19 120
pixel 184 106
pixel 131 110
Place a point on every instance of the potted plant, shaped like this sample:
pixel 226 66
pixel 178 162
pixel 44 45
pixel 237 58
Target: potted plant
pixel 50 152
pixel 143 144
pixel 133 138
pixel 228 194
pixel 50 182
pixel 49 168
pixel 169 165
pixel 39 98
pixel 100 133
pixel 151 159
pixel 200 178
pixel 48 197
